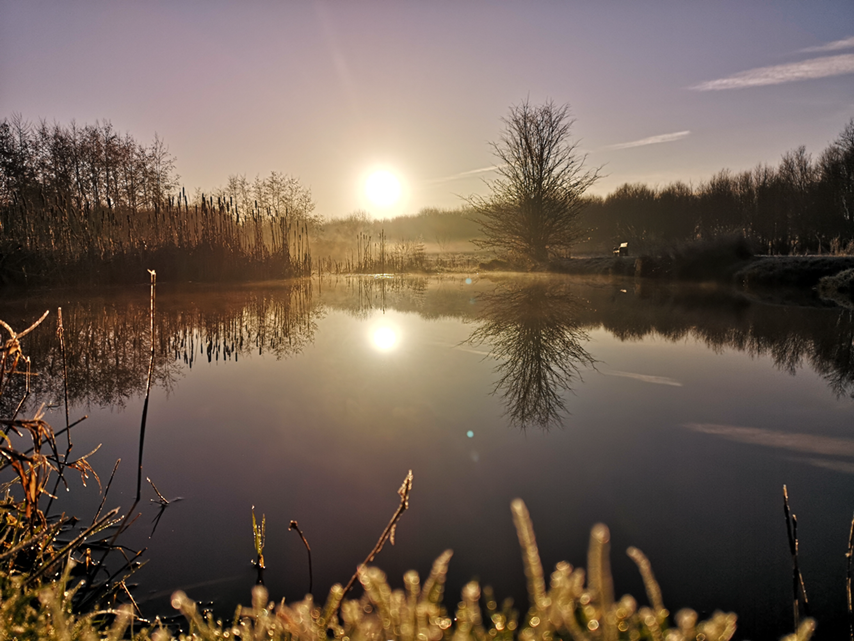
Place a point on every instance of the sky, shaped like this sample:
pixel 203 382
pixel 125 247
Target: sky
pixel 331 91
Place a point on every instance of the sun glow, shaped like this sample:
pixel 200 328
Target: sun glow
pixel 383 188
pixel 384 339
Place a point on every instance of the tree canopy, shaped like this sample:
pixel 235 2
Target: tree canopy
pixel 533 209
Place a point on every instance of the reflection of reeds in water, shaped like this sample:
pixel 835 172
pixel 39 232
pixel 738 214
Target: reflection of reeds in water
pixel 107 345
pixel 534 332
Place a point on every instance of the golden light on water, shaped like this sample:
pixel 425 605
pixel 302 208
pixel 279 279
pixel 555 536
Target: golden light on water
pixel 384 339
pixel 383 188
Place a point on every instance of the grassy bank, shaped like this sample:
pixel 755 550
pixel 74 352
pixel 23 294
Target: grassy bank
pixel 728 261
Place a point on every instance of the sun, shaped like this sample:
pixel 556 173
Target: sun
pixel 382 188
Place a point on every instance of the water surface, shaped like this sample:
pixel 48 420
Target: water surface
pixel 672 414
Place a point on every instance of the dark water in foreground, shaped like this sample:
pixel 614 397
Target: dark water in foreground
pixel 673 415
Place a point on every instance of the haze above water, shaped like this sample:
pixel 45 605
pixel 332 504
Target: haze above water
pixel 672 414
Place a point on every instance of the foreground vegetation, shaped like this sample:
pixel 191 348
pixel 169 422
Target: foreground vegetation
pixel 51 584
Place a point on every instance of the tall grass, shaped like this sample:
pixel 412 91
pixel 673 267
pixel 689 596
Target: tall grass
pixel 53 241
pixel 86 204
pixel 38 546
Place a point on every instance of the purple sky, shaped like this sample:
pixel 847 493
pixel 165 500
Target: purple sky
pixel 326 91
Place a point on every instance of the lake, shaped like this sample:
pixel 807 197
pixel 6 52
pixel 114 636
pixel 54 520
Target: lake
pixel 673 414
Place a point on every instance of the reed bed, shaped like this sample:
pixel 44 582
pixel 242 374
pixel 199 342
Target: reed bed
pixel 366 254
pixel 86 204
pixel 53 241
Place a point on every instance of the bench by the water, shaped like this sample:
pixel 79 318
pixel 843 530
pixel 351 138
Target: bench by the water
pixel 622 250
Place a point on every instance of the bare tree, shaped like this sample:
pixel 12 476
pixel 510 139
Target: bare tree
pixel 534 206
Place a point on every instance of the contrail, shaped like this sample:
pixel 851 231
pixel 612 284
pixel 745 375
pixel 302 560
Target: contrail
pixel 836 45
pixel 464 174
pixel 778 74
pixel 652 140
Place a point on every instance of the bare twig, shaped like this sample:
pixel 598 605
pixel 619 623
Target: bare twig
pixel 295 526
pixel 388 532
pixel 797 578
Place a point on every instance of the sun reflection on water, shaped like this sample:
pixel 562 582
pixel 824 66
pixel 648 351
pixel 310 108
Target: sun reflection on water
pixel 384 338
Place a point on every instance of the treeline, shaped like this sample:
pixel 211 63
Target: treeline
pixel 87 202
pixel 801 205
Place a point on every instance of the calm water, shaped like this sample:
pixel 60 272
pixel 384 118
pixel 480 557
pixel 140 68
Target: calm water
pixel 673 415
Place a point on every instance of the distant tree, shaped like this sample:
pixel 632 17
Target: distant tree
pixel 836 169
pixel 533 210
pixel 276 196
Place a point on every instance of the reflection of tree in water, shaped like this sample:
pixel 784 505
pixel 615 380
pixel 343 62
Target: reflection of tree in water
pixel 791 335
pixel 536 335
pixel 107 342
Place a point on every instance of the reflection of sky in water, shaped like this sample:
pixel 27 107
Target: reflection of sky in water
pixel 681 450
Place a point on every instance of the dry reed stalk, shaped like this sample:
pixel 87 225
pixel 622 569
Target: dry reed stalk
pixel 388 532
pixel 60 334
pixel 106 490
pixel 797 578
pixel 147 385
pixel 295 526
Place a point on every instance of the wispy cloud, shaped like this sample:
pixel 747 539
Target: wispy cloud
pixel 464 174
pixel 836 45
pixel 652 140
pixel 646 378
pixel 778 74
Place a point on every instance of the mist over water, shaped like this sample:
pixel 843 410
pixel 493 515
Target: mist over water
pixel 673 414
